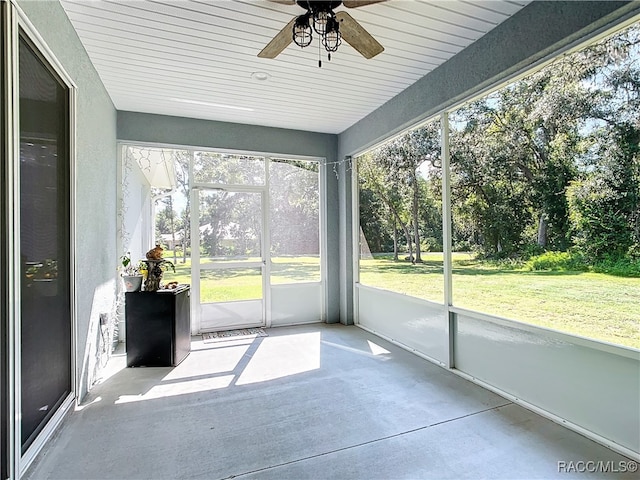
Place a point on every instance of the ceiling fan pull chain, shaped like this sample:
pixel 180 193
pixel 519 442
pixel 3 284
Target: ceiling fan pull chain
pixel 319 56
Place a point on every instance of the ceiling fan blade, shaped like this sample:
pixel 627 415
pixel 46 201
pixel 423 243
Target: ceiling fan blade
pixel 285 2
pixel 279 42
pixel 359 3
pixel 355 35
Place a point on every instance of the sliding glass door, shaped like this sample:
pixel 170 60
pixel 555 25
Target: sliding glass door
pixel 37 295
pixel 45 256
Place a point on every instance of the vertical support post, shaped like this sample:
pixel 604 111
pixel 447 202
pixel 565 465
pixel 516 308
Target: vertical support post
pixel 355 236
pixel 195 249
pixel 266 244
pixel 446 236
pixel 346 241
pixel 323 195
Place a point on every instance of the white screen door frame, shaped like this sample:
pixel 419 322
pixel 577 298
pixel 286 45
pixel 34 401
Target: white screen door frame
pixel 281 303
pixel 225 315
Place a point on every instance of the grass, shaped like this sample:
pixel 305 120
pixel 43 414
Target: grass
pixel 594 305
pixel 246 283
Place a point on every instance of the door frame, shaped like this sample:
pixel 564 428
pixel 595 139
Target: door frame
pixel 16 25
pixel 265 245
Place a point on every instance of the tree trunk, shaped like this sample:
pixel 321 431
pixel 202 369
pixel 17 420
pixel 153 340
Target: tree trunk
pixel 414 214
pixel 542 230
pixel 395 242
pixel 173 230
pixel 397 218
pixel 187 230
pixel 409 242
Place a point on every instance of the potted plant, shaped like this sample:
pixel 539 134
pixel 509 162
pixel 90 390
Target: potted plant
pixel 131 274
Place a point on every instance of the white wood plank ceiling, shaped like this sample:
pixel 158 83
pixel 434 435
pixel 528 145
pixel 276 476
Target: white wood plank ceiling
pixel 196 58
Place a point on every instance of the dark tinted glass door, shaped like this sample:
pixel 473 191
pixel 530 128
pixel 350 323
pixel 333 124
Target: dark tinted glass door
pixel 44 242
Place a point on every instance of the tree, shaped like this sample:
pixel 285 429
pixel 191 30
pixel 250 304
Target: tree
pixel 516 152
pixel 167 222
pixel 182 159
pixel 373 176
pixel 294 207
pixel 528 134
pixel 605 204
pixel 401 159
pixel 605 200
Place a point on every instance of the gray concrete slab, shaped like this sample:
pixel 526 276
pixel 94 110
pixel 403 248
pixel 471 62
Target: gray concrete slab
pixel 316 401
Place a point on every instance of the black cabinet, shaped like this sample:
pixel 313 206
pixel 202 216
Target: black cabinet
pixel 158 326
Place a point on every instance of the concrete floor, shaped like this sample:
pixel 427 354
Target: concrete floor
pixel 317 402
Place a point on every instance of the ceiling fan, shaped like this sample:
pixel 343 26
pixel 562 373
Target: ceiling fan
pixel 330 27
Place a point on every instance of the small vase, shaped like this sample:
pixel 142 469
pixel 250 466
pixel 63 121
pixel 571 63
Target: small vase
pixel 132 283
pixel 154 275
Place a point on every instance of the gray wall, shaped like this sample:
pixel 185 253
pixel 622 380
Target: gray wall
pixel 534 33
pixel 141 127
pixel 95 184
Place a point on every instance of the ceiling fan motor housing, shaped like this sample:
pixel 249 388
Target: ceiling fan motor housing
pixel 314 6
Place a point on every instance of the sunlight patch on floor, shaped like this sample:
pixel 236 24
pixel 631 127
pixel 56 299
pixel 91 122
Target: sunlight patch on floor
pixel 215 360
pixel 377 349
pixel 279 357
pixel 367 352
pixel 79 408
pixel 179 388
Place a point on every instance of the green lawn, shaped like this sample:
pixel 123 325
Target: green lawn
pixel 245 283
pixel 594 305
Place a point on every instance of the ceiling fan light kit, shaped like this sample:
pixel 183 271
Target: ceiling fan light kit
pixel 302 31
pixel 321 15
pixel 330 27
pixel 332 38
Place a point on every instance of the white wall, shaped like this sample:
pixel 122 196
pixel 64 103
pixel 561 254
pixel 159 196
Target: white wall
pixel 586 383
pixel 589 386
pixel 415 323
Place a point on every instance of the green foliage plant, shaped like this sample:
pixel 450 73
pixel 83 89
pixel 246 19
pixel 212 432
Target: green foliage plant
pixel 620 267
pixel 128 268
pixel 557 261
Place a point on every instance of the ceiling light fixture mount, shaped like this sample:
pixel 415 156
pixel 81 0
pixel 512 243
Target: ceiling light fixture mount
pixel 330 27
pixel 321 15
pixel 260 76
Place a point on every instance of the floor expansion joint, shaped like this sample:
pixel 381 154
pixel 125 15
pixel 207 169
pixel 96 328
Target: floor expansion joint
pixel 369 442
